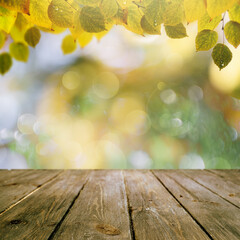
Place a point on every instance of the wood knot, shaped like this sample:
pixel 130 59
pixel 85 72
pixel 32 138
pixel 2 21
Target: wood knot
pixel 17 221
pixel 107 229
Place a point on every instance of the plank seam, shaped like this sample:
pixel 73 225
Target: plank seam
pixel 209 189
pixel 29 194
pixel 68 210
pixel 132 231
pixel 198 223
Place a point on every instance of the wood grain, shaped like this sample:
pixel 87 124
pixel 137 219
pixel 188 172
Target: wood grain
pixel 17 184
pixel 230 175
pixel 217 216
pixel 37 216
pixel 100 212
pixel 155 213
pixel 223 187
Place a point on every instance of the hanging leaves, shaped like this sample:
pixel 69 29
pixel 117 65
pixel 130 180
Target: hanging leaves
pixel 19 51
pixel 32 36
pixel 221 55
pixel 206 39
pixel 5 62
pixel 232 33
pixel 88 19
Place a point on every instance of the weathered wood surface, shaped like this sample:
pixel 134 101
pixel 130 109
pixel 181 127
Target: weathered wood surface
pixel 119 204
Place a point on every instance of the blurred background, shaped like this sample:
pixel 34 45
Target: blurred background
pixel 125 101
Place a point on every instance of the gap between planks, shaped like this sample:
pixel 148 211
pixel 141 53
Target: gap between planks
pixel 189 213
pixel 68 210
pixel 188 176
pixel 129 208
pixel 29 194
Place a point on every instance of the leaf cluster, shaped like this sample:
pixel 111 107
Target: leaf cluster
pixel 22 21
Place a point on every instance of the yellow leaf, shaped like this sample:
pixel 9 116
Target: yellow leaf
pixel 7 19
pixel 16 5
pixel 93 3
pixel 38 13
pixel 68 44
pixel 19 51
pixel 194 9
pixel 207 23
pixel 85 39
pixel 109 8
pixel 77 29
pixel 216 7
pixel 2 39
pixel 173 12
pixel 234 13
pixel 134 19
pixel 124 3
pixel 20 27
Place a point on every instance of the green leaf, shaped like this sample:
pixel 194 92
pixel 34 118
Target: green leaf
pixel 2 39
pixel 234 13
pixel 32 36
pixel 109 8
pixel 19 51
pixel 216 7
pixel 194 9
pixel 178 31
pixel 232 33
pixel 206 39
pixel 207 23
pixel 148 28
pixel 154 12
pixel 5 62
pixel 69 45
pixel 92 19
pixel 61 13
pixel 134 19
pixel 221 55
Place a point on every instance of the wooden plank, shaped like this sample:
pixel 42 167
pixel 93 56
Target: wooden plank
pixel 20 183
pixel 37 216
pixel 8 174
pixel 230 175
pixel 217 216
pixel 223 187
pixel 100 212
pixel 155 213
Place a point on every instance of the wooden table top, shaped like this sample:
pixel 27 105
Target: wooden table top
pixel 119 204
